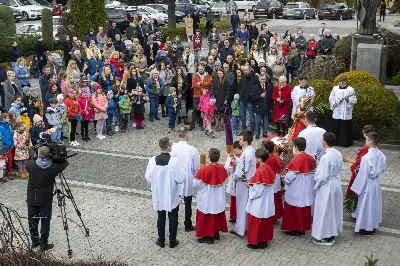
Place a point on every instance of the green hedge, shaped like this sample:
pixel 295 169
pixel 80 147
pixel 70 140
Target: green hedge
pixel 358 77
pixel 47 28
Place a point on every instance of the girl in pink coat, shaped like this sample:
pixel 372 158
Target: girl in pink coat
pixel 100 104
pixel 209 111
pixel 86 112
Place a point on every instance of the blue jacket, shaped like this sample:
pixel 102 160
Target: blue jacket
pixel 20 74
pixel 243 36
pixel 7 136
pixel 111 107
pixel 48 97
pixel 16 109
pixel 93 63
pixel 35 134
pixel 44 84
pixel 170 104
pixel 113 68
pixel 149 89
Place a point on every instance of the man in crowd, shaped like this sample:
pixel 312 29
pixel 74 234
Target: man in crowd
pixel 225 51
pixel 322 30
pixel 80 61
pixel 196 20
pixel 42 176
pixel 54 67
pixel 244 36
pixel 119 45
pixel 44 81
pixel 164 174
pixel 235 20
pixel 14 54
pixel 259 96
pixel 189 159
pixel 300 93
pixel 91 36
pixel 327 43
pixel 314 137
pixel 247 82
pixel 301 42
pixel 113 30
pixel 78 47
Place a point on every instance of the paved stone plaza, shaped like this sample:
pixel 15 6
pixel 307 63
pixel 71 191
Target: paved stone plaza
pixel 107 180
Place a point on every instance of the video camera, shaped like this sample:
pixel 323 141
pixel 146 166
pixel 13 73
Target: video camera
pixel 58 151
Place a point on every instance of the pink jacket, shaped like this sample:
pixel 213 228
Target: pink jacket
pixel 204 102
pixel 209 112
pixel 86 106
pixel 100 102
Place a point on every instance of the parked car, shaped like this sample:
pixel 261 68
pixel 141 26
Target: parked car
pixel 28 9
pixel 42 3
pixel 17 14
pixel 336 11
pixel 223 8
pixel 121 17
pixel 246 4
pixel 179 16
pixel 187 8
pixel 298 10
pixel 201 5
pixel 29 29
pixel 159 17
pixel 111 4
pixel 268 8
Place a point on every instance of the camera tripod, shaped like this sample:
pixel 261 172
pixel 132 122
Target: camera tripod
pixel 62 193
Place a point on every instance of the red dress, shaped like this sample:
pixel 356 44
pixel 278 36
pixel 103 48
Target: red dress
pixel 279 111
pixel 276 165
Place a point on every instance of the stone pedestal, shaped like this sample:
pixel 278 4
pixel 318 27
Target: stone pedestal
pixel 359 38
pixel 372 58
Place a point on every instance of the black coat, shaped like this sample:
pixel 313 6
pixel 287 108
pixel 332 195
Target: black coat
pixel 41 50
pixel 120 46
pixel 138 106
pixel 245 86
pixel 185 86
pixel 224 52
pixel 196 21
pixel 327 44
pixel 261 105
pixel 112 32
pixel 147 50
pixel 14 54
pixel 221 94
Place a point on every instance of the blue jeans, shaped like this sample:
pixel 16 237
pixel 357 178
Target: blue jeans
pixel 42 214
pixel 246 47
pixel 235 123
pixel 244 106
pixel 56 136
pixel 196 56
pixel 290 70
pixel 153 108
pixel 109 121
pixel 172 119
pixel 264 118
pixel 235 28
pixel 13 65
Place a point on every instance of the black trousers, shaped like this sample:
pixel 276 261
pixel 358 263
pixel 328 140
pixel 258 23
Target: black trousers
pixel 196 114
pixel 188 211
pixel 42 214
pixel 173 224
pixel 74 124
pixel 84 128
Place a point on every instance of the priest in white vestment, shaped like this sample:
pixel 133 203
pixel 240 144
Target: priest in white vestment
pixel 164 175
pixel 313 136
pixel 300 93
pixel 211 199
pixel 342 100
pixel 368 188
pixel 243 172
pixel 189 159
pixel 328 207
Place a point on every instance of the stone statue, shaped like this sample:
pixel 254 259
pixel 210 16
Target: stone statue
pixel 367 16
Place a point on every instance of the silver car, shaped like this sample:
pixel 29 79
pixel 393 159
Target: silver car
pixel 301 10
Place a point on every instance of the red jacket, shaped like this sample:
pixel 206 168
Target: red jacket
pixel 279 111
pixel 285 49
pixel 205 84
pixel 197 41
pixel 312 48
pixel 73 108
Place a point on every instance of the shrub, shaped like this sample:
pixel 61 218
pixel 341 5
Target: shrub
pixel 396 79
pixel 7 24
pixel 326 68
pixel 47 28
pixel 357 77
pixel 98 15
pixel 342 49
pixel 66 26
pixel 392 40
pixel 81 17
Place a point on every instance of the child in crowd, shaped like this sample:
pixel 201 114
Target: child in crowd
pixel 125 108
pixel 117 91
pixel 61 109
pixel 53 120
pixel 173 104
pixel 36 68
pixel 86 112
pixel 11 115
pixel 16 106
pixel 235 106
pixel 37 128
pixel 24 118
pixel 84 85
pixel 34 108
pixel 203 104
pixel 51 93
pixel 117 62
pixel 21 149
pixel 110 112
pixel 3 160
pixel 7 138
pixel 139 100
pixel 209 113
pixel 100 104
pixel 74 115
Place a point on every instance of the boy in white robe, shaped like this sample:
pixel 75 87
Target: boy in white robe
pixel 260 206
pixel 328 208
pixel 313 136
pixel 368 188
pixel 242 173
pixel 211 199
pixel 300 93
pixel 189 158
pixel 164 174
pixel 231 185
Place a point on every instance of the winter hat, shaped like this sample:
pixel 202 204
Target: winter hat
pixel 261 60
pixel 23 110
pixel 236 97
pixel 25 89
pixel 96 87
pixel 83 90
pixel 71 91
pixel 37 118
pixel 60 97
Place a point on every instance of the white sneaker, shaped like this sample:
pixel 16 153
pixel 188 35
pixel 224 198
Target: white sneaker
pixel 77 143
pixel 99 137
pixel 116 129
pixel 134 124
pixel 72 143
pixel 102 136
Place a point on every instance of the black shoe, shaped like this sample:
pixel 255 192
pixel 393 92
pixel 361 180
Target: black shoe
pixel 190 228
pixel 206 240
pixel 293 233
pixel 83 139
pixel 234 233
pixel 185 121
pixel 88 139
pixel 109 133
pixel 163 113
pixel 265 135
pixel 232 221
pixel 160 244
pixel 202 129
pixel 217 236
pixel 212 134
pixel 252 246
pixel 179 120
pixel 173 244
pixel 151 120
pixel 157 118
pixel 46 246
pixel 191 127
pixel 34 245
pixel 257 136
pixel 263 245
pixel 366 233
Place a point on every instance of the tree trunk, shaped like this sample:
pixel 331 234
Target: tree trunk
pixel 171 14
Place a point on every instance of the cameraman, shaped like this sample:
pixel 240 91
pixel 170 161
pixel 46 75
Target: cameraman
pixel 42 174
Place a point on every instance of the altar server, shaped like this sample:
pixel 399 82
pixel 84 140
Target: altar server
pixel 276 165
pixel 300 193
pixel 231 185
pixel 242 173
pixel 164 174
pixel 342 100
pixel 313 136
pixel 300 93
pixel 210 199
pixel 260 206
pixel 328 208
pixel 368 188
pixel 189 158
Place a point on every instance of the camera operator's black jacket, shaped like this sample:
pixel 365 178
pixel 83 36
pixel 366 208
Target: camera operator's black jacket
pixel 41 182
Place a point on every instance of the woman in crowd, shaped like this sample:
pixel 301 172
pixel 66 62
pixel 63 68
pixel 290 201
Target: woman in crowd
pixel 180 83
pixel 101 39
pixel 166 77
pixel 73 70
pixel 220 90
pixel 140 62
pixel 238 48
pixel 288 37
pixel 271 58
pixel 312 47
pixel 275 42
pixel 150 50
pixel 278 69
pixel 106 78
pixel 189 27
pixel 282 98
pixel 12 88
pixel 22 72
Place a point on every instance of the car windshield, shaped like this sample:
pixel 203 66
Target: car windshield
pixel 41 2
pixel 330 7
pixel 292 6
pixel 263 4
pixel 23 2
pixel 151 10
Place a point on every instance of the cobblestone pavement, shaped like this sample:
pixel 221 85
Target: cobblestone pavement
pixel 107 180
